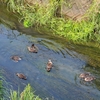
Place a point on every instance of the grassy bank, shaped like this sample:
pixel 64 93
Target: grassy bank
pixel 45 16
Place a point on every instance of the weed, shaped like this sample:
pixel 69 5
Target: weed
pixel 27 94
pixel 38 15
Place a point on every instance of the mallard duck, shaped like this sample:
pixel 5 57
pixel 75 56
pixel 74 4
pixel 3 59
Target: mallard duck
pixel 22 76
pixel 49 65
pixel 89 78
pixel 84 75
pixel 33 48
pixel 16 58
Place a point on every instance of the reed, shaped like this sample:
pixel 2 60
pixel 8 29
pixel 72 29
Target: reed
pixel 97 28
pixel 26 94
pixel 38 15
pixel 4 95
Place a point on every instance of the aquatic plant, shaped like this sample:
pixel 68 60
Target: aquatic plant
pixel 1 89
pixel 40 16
pixel 4 95
pixel 27 94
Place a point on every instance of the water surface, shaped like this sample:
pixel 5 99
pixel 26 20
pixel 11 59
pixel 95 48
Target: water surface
pixel 62 83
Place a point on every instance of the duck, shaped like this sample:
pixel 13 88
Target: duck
pixel 33 49
pixel 89 78
pixel 16 58
pixel 49 65
pixel 22 76
pixel 84 75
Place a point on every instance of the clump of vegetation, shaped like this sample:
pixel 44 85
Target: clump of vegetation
pixel 27 94
pixel 32 14
pixel 38 15
pixel 4 95
pixel 1 90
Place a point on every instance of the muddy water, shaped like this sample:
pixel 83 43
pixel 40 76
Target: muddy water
pixel 63 82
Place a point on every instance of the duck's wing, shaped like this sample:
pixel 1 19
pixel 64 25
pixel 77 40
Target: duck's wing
pixel 49 65
pixel 23 76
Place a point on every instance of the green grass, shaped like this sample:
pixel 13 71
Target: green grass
pixel 1 90
pixel 27 94
pixel 75 31
pixel 45 16
pixel 4 95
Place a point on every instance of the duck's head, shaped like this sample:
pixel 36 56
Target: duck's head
pixel 50 61
pixel 17 74
pixel 32 45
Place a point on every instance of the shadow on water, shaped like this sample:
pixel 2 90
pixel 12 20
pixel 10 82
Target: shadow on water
pixel 63 82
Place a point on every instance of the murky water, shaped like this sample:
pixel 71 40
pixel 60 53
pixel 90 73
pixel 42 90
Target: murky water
pixel 63 82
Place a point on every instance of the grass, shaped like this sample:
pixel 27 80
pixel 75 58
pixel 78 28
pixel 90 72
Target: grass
pixel 38 16
pixel 27 94
pixel 1 90
pixel 4 95
pixel 97 28
pixel 72 30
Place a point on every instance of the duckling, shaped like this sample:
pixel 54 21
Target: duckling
pixel 22 76
pixel 84 75
pixel 33 49
pixel 89 78
pixel 16 58
pixel 49 65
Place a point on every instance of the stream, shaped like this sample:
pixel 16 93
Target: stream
pixel 62 82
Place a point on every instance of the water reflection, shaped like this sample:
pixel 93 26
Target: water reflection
pixel 62 83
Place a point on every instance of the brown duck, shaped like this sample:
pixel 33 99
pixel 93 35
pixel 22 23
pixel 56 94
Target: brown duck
pixel 16 58
pixel 89 78
pixel 49 65
pixel 22 76
pixel 84 75
pixel 33 49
